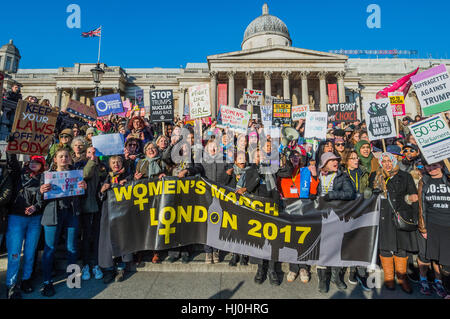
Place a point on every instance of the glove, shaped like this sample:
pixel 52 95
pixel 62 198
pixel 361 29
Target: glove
pixel 367 193
pixel 377 191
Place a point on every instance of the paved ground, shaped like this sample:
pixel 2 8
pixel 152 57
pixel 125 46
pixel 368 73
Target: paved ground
pixel 207 285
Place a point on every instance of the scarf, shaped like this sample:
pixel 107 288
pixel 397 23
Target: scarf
pixel 241 172
pixel 365 161
pixel 268 178
pixel 115 176
pixel 153 167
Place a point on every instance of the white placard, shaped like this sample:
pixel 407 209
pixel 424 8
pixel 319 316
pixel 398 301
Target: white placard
pixel 379 119
pixel 199 101
pixel 299 112
pixel 316 125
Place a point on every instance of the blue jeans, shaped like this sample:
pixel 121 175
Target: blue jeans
pixel 66 221
pixel 20 229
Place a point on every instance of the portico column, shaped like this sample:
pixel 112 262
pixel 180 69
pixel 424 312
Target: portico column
pixel 231 99
pixel 286 89
pixel 323 91
pixel 59 97
pixel 181 102
pixel 75 94
pixel 213 91
pixel 341 87
pixel 249 75
pixel 305 97
pixel 268 83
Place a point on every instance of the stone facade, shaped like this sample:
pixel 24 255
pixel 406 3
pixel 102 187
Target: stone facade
pixel 273 66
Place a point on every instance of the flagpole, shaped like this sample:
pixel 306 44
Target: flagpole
pixel 99 45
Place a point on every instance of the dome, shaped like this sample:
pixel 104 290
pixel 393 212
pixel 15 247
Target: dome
pixel 10 48
pixel 266 24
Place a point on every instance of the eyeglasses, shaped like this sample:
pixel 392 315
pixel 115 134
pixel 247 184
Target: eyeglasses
pixel 340 144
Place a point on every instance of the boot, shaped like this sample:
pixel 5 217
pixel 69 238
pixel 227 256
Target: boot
pixel 401 264
pixel 324 284
pixel 388 268
pixel 336 278
pixel 260 274
pixel 234 260
pixel 13 293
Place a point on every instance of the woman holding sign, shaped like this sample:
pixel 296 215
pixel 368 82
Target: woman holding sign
pixel 394 244
pixel 59 214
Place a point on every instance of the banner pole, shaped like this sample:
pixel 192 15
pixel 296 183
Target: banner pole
pixel 384 145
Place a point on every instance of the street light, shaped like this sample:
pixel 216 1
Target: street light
pixel 97 74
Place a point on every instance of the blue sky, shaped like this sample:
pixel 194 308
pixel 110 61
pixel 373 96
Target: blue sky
pixel 172 33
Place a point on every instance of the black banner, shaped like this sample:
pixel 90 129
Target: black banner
pixel 161 105
pixel 168 213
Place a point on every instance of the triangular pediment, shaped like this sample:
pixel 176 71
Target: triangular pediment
pixel 277 52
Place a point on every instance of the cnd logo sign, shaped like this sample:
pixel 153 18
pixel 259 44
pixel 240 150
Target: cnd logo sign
pixel 74 279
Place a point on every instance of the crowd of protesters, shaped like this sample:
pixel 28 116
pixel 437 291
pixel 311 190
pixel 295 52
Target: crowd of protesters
pixel 346 164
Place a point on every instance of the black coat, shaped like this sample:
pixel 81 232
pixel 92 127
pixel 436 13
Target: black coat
pixel 254 186
pixel 26 195
pixel 217 172
pixel 6 187
pixel 390 238
pixel 342 188
pixel 10 95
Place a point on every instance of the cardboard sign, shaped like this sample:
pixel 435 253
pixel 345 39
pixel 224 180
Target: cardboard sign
pixel 32 129
pixel 299 112
pixel 235 119
pixel 108 144
pixel 107 104
pixel 281 114
pixel 379 119
pixel 433 90
pixel 161 105
pixel 81 110
pixel 253 97
pixel 342 112
pixel 316 125
pixel 199 101
pixel 64 184
pixel 397 101
pixel 433 138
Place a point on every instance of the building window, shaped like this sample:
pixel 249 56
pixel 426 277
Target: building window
pixel 16 65
pixel 8 63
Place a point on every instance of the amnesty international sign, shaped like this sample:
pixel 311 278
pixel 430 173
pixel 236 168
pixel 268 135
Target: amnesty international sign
pixel 168 213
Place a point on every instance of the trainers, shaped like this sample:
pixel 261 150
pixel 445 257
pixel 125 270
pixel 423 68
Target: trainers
pixel 185 259
pixel 291 276
pixel 362 281
pixel 26 286
pixel 215 257
pixel 120 275
pixel 85 274
pixel 304 276
pixel 172 259
pixel 440 290
pixel 352 278
pixel 98 274
pixel 48 290
pixel 208 258
pixel 424 288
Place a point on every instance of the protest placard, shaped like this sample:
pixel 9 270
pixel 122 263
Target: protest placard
pixel 342 112
pixel 33 129
pixel 161 105
pixel 433 90
pixel 281 112
pixel 108 144
pixel 235 119
pixel 397 101
pixel 316 125
pixel 139 96
pixel 433 138
pixel 299 112
pixel 199 101
pixel 81 110
pixel 64 184
pixel 107 104
pixel 379 119
pixel 253 97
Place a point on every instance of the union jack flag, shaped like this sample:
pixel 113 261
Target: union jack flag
pixel 94 33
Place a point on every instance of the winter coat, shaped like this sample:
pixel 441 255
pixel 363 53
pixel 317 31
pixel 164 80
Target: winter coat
pixel 253 184
pixel 11 96
pixel 26 195
pixel 6 187
pixel 192 167
pixel 342 188
pixel 142 167
pixel 217 172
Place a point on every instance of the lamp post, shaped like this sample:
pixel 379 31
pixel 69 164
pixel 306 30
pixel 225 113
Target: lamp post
pixel 97 74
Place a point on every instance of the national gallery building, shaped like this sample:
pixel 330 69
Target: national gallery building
pixel 267 61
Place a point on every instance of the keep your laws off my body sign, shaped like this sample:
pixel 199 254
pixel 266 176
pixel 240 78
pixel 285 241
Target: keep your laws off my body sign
pixel 32 129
